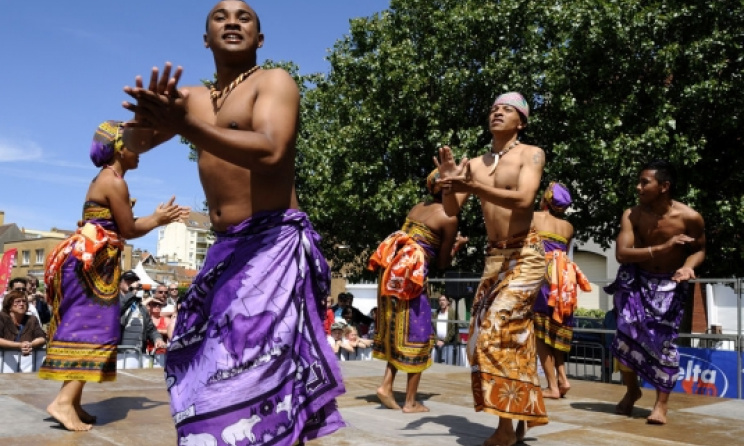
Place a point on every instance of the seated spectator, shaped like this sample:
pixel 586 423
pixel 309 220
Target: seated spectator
pixel 347 315
pixel 342 301
pixel 172 294
pixel 373 325
pixel 336 336
pixel 361 321
pixel 444 331
pixel 19 330
pixel 330 316
pixel 346 300
pixel 154 308
pixel 161 294
pixel 21 284
pixel 351 340
pixel 37 300
pixel 136 323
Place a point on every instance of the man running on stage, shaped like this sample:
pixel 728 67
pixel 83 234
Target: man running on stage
pixel 501 347
pixel 660 244
pixel 249 357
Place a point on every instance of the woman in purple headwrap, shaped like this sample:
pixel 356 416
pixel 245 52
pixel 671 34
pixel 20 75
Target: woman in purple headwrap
pixel 557 297
pixel 82 279
pixel 403 336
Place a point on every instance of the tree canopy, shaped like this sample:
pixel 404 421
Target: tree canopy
pixel 611 84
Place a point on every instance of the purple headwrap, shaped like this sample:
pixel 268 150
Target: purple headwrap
pixel 516 100
pixel 557 197
pixel 106 141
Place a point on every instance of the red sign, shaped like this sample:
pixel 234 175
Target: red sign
pixel 6 268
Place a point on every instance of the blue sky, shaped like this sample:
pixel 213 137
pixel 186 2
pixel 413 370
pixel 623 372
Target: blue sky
pixel 63 67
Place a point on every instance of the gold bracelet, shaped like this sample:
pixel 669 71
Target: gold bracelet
pixel 650 252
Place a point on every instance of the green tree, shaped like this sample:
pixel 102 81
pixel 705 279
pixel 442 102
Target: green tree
pixel 612 84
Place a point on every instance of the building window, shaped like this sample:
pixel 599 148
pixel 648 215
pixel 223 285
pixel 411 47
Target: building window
pixel 40 256
pixel 25 257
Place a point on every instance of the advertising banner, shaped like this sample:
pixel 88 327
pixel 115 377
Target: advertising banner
pixel 705 371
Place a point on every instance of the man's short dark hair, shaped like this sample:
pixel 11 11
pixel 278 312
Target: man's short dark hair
pixel 664 171
pixel 258 21
pixel 130 276
pixel 15 280
pixel 344 296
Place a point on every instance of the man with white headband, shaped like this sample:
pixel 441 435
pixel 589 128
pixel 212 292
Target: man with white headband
pixel 501 347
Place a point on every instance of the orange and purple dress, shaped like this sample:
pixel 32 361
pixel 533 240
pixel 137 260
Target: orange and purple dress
pixel 404 335
pixel 82 282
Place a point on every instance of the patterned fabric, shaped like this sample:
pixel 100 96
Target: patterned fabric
pixel 516 100
pixel 564 278
pixel 249 357
pixel 501 347
pixel 106 142
pixel 404 335
pixel 649 311
pixel 557 197
pixel 555 330
pixel 82 280
pixel 553 334
pixel 403 261
pixel 432 186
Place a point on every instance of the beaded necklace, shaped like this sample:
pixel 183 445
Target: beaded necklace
pixel 216 94
pixel 497 155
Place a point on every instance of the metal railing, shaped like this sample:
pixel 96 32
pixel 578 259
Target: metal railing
pixel 128 357
pixel 587 359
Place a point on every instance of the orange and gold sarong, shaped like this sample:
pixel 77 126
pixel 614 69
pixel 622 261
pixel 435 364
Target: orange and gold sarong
pixel 501 346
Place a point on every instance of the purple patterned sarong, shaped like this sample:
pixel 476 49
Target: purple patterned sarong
pixel 249 362
pixel 649 311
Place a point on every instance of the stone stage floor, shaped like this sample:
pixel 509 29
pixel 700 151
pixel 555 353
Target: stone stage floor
pixel 134 411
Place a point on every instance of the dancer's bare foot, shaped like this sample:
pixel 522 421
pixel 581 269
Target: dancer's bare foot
pixel 497 440
pixel 387 400
pixel 67 417
pixel 415 408
pixel 84 416
pixel 521 431
pixel 563 389
pixel 551 393
pixel 625 406
pixel 658 414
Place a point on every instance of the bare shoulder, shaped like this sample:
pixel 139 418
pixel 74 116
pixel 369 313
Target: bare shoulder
pixel 533 155
pixel 687 212
pixel 632 214
pixel 277 78
pixel 567 228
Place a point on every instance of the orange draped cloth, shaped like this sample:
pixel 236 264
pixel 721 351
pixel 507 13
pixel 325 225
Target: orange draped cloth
pixel 404 264
pixel 564 277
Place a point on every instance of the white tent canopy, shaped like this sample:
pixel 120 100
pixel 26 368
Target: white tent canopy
pixel 145 279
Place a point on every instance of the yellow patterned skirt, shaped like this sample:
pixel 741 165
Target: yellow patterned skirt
pixel 501 346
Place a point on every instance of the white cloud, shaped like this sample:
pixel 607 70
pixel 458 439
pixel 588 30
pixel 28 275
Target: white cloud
pixel 23 150
pixel 46 176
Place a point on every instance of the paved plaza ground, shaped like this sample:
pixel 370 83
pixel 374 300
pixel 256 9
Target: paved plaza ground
pixel 134 411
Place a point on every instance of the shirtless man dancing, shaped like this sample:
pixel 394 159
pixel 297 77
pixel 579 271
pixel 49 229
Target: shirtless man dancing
pixel 501 347
pixel 660 244
pixel 249 356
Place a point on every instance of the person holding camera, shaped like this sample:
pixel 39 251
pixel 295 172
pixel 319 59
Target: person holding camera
pixel 137 326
